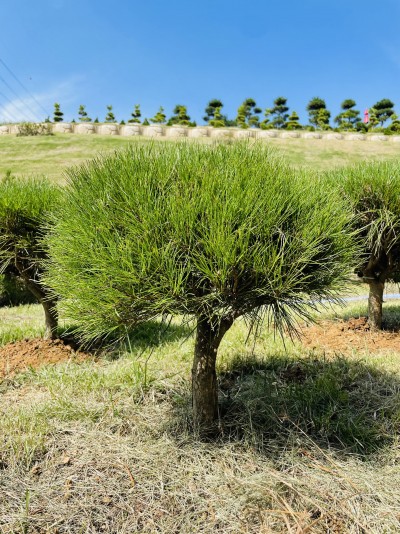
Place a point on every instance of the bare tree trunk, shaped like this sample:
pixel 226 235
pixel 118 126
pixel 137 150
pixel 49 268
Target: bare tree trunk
pixel 375 300
pixel 51 318
pixel 49 305
pixel 204 378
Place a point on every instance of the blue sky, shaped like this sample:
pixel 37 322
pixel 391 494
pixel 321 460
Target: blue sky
pixel 155 52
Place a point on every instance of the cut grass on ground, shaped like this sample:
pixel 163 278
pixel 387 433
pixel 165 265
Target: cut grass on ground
pixel 309 443
pixel 50 156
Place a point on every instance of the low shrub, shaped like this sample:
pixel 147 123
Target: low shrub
pixel 31 128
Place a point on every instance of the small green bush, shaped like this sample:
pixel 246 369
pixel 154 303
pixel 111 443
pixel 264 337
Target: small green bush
pixel 31 128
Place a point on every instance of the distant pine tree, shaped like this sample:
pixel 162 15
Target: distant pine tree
pixel 159 117
pixel 110 117
pixel 180 116
pixel 248 114
pixel 293 122
pixel 58 115
pixel 213 105
pixel 218 120
pixel 136 114
pixel 83 116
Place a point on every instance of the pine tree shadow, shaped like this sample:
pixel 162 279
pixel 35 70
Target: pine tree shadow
pixel 339 404
pixel 146 335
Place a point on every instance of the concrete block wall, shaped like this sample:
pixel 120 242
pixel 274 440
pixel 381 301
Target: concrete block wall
pixel 156 130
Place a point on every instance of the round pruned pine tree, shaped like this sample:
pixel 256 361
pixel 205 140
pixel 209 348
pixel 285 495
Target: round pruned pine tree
pixel 214 232
pixel 25 206
pixel 373 190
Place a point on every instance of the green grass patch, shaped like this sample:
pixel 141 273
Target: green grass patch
pixel 20 322
pixel 50 156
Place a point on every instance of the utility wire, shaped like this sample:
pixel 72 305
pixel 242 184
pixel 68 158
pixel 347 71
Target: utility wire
pixel 7 113
pixel 24 88
pixel 21 105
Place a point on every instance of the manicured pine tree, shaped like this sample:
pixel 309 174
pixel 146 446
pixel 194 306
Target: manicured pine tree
pixel 323 117
pixel 373 190
pixel 58 115
pixel 373 119
pixel 25 213
pixel 317 112
pixel 159 117
pixel 394 127
pixel 215 232
pixel 180 116
pixel 278 113
pixel 248 114
pixel 218 120
pixel 110 117
pixel 83 116
pixel 384 109
pixel 293 122
pixel 136 114
pixel 212 106
pixel 349 117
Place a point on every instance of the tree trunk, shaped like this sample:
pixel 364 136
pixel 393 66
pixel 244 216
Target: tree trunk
pixel 51 318
pixel 375 300
pixel 204 377
pixel 49 305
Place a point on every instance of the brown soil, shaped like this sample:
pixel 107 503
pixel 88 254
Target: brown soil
pixel 332 336
pixel 347 336
pixel 21 355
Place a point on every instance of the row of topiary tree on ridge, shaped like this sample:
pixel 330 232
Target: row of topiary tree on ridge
pixel 211 232
pixel 249 115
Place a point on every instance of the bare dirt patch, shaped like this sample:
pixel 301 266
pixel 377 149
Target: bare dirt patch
pixel 21 355
pixel 350 335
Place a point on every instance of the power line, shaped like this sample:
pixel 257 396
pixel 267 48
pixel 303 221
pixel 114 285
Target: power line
pixel 24 88
pixel 5 112
pixel 9 113
pixel 14 103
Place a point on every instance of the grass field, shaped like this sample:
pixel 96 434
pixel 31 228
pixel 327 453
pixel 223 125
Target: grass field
pixel 51 155
pixel 309 439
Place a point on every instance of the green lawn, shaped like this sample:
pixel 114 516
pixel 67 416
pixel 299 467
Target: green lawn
pixel 51 155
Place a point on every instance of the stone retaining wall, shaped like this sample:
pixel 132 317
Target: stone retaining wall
pixel 131 130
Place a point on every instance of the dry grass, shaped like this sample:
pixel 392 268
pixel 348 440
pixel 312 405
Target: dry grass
pixel 308 444
pixel 51 155
pixel 330 153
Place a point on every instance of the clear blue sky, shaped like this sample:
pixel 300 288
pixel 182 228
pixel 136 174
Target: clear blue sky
pixel 165 52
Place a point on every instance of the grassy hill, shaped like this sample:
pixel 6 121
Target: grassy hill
pixel 51 155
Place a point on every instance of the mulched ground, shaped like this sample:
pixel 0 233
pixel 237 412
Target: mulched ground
pixel 350 335
pixel 21 355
